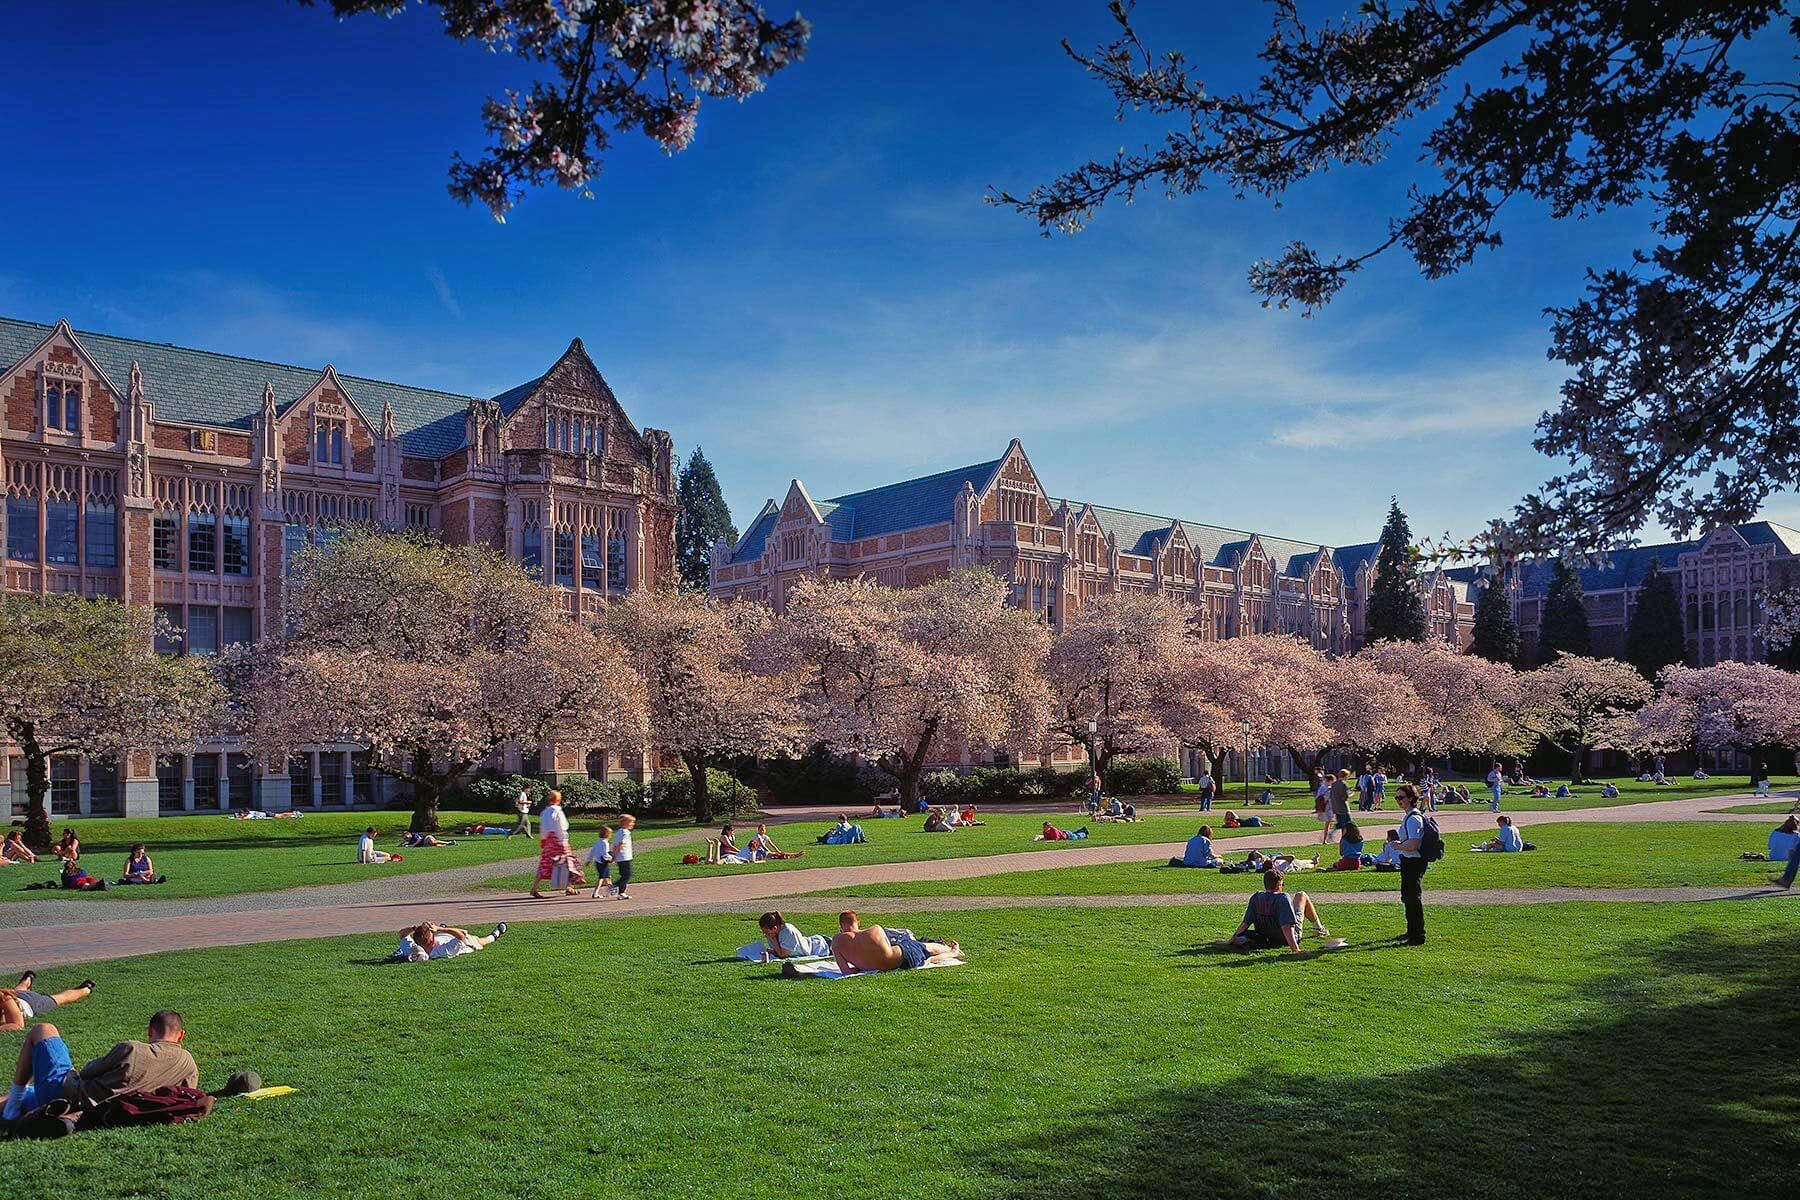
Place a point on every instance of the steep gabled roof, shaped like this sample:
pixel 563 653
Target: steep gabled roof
pixel 750 546
pixel 1626 568
pixel 908 504
pixel 1137 532
pixel 203 387
pixel 1349 559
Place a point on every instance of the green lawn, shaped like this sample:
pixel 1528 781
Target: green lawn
pixel 1576 854
pixel 904 839
pixel 1558 1052
pixel 1770 806
pixel 1297 796
pixel 216 856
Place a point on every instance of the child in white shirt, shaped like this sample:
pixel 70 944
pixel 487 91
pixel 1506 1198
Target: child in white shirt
pixel 621 853
pixel 601 856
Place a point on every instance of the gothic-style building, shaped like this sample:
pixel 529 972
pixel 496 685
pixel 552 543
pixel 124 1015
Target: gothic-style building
pixel 184 478
pixel 1060 553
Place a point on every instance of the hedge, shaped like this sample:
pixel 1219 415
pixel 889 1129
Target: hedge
pixel 1143 777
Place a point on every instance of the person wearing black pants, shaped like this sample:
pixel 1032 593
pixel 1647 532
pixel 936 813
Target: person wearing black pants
pixel 1412 866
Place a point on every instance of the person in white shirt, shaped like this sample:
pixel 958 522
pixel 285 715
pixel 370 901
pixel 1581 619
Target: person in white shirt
pixel 522 809
pixel 1412 866
pixel 367 853
pixel 1494 782
pixel 600 854
pixel 553 847
pixel 783 939
pixel 621 853
pixel 428 940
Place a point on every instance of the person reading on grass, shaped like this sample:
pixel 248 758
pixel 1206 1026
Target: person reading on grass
pixel 968 815
pixel 47 1073
pixel 873 949
pixel 429 940
pixel 366 851
pixel 1198 852
pixel 14 850
pixel 1053 834
pixel 1506 840
pixel 21 1003
pixel 139 868
pixel 783 939
pixel 1273 918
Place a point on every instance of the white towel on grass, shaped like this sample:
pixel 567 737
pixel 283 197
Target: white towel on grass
pixel 826 968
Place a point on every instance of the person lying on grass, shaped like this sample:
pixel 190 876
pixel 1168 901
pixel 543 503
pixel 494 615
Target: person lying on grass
pixel 14 850
pixel 878 812
pixel 1257 861
pixel 479 830
pixel 1198 852
pixel 844 833
pixel 412 840
pixel 20 1004
pixel 1273 919
pixel 878 949
pixel 783 939
pixel 1506 840
pixel 75 878
pixel 367 853
pixel 1052 833
pixel 429 940
pixel 46 1072
pixel 138 867
pixel 1233 821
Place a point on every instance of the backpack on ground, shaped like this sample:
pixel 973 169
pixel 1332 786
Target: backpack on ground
pixel 165 1106
pixel 1431 842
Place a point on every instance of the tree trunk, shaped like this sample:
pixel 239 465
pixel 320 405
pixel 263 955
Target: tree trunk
pixel 912 768
pixel 426 794
pixel 1577 763
pixel 37 786
pixel 696 767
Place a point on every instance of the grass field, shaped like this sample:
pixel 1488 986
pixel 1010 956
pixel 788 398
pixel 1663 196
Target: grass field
pixel 1663 854
pixel 1081 1054
pixel 1782 807
pixel 215 856
pixel 904 840
pixel 1298 795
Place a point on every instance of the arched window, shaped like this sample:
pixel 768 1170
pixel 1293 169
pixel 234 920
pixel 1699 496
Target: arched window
pixel 337 443
pixel 72 407
pixel 53 406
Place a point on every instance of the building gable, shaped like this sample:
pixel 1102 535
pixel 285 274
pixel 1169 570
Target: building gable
pixel 573 390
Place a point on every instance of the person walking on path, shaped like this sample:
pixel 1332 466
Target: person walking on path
pixel 522 813
pixel 621 855
pixel 1340 803
pixel 1208 789
pixel 1412 865
pixel 553 847
pixel 1496 782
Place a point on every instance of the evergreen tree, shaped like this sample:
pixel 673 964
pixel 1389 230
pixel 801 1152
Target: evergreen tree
pixel 1565 623
pixel 1396 608
pixel 1654 639
pixel 703 519
pixel 1496 636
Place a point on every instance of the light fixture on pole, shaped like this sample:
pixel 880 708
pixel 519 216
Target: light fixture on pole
pixel 1246 764
pixel 1093 751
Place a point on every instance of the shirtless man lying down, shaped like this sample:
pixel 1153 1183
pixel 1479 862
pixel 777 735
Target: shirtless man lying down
pixel 878 949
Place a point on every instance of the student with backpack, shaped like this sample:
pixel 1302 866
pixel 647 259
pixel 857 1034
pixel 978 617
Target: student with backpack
pixel 1420 845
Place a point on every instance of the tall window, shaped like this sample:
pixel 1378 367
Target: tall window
pixel 65 784
pixel 299 780
pixel 60 525
pixel 206 781
pixel 593 564
pixel 203 543
pixel 331 778
pixel 202 629
pixel 103 785
pixel 165 541
pixel 236 546
pixel 235 629
pixel 102 537
pixel 362 777
pixel 615 561
pixel 168 634
pixel 168 783
pixel 328 443
pixel 565 558
pixel 293 541
pixel 240 781
pixel 533 552
pixel 21 528
pixel 62 407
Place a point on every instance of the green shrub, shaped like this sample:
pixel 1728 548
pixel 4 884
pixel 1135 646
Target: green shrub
pixel 816 777
pixel 494 792
pixel 1143 777
pixel 672 795
pixel 1001 785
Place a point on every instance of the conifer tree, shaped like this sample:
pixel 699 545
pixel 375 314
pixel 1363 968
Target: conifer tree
pixel 1654 639
pixel 703 519
pixel 1396 608
pixel 1496 637
pixel 1565 623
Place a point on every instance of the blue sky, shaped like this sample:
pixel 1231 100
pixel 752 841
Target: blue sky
pixel 814 289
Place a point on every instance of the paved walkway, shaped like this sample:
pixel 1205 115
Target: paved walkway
pixel 44 935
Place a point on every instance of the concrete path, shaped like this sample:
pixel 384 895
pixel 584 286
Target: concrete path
pixel 99 933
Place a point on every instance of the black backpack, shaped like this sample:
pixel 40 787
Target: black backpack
pixel 1431 842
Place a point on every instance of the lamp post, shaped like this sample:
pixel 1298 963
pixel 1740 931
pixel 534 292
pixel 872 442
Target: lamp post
pixel 1093 751
pixel 1246 764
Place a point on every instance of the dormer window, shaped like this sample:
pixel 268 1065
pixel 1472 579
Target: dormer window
pixel 62 406
pixel 328 443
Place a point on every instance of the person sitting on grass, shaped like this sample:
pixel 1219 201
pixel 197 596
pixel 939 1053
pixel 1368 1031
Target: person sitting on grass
pixel 1506 840
pixel 857 949
pixel 1782 839
pixel 1266 796
pixel 968 815
pixel 1233 821
pixel 1118 810
pixel 20 1004
pixel 935 822
pixel 139 868
pixel 878 813
pixel 69 846
pixel 1273 918
pixel 1198 852
pixel 429 940
pixel 46 1072
pixel 1389 858
pixel 783 939
pixel 1700 773
pixel 14 850
pixel 1659 779
pixel 410 840
pixel 1610 791
pixel 762 847
pixel 1563 792
pixel 724 848
pixel 367 853
pixel 1052 833
pixel 1350 850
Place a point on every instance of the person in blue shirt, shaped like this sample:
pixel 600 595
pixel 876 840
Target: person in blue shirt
pixel 1782 839
pixel 1350 850
pixel 1507 839
pixel 1273 918
pixel 1199 851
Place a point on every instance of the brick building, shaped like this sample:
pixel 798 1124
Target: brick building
pixel 184 478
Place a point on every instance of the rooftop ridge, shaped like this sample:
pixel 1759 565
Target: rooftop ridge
pixel 847 496
pixel 1133 512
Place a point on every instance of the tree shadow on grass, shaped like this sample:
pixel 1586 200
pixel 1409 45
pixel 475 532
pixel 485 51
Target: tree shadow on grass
pixel 1691 1098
